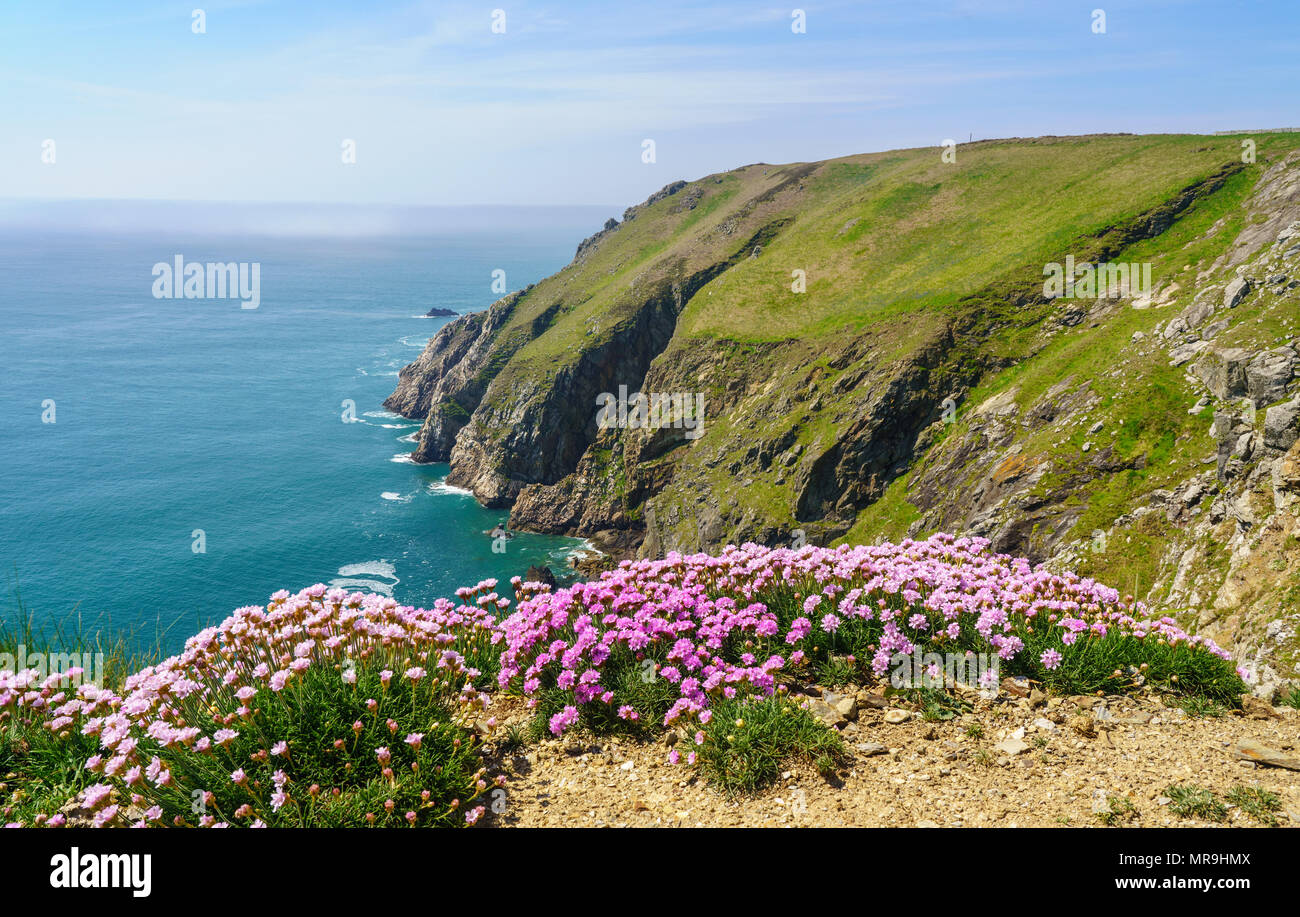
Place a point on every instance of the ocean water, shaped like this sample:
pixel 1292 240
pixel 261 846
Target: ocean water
pixel 175 417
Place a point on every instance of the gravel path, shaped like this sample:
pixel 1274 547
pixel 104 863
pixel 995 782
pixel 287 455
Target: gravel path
pixel 1058 761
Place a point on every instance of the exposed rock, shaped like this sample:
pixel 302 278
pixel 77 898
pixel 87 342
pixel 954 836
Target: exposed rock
pixel 1185 352
pixel 537 574
pixel 1268 374
pixel 1224 372
pixel 1011 747
pixel 1235 292
pixel 845 705
pixel 1249 750
pixel 1282 424
pixel 827 713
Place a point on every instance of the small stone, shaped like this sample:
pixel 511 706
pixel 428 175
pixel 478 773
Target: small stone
pixel 1017 687
pixel 1037 698
pixel 926 823
pixel 870 749
pixel 1254 752
pixel 826 713
pixel 1012 746
pixel 845 704
pixel 1044 724
pixel 897 716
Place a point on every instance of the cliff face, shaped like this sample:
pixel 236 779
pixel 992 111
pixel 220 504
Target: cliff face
pixel 878 356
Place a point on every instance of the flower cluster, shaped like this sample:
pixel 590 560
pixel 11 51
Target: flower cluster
pixel 329 708
pixel 716 626
pixel 321 708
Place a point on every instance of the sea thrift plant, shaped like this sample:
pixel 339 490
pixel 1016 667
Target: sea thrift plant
pixel 322 708
pixel 662 641
pixel 325 708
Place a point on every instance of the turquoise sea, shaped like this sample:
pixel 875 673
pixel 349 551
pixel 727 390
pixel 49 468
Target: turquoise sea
pixel 179 416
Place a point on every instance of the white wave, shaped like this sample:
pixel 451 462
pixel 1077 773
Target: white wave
pixel 442 487
pixel 400 498
pixel 383 415
pixel 403 458
pixel 584 548
pixel 410 437
pixel 371 568
pixel 360 577
pixel 363 585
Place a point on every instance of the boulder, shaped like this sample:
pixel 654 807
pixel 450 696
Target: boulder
pixel 1198 312
pixel 1235 292
pixel 1282 425
pixel 1180 355
pixel 1223 372
pixel 1268 374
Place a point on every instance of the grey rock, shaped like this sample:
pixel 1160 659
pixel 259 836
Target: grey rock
pixel 1223 372
pixel 1181 354
pixel 1235 292
pixel 1214 329
pixel 1199 311
pixel 1268 373
pixel 1282 425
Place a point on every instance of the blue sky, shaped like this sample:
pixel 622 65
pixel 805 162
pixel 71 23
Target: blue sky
pixel 555 110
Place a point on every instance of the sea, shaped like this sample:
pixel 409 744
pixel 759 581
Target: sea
pixel 168 460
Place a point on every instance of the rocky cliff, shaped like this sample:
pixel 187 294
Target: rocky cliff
pixel 879 355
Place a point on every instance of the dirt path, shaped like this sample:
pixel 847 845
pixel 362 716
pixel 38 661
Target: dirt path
pixel 1075 760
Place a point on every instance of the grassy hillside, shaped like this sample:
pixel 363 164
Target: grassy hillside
pixel 878 358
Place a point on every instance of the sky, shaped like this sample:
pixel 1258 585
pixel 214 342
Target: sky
pixel 555 106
